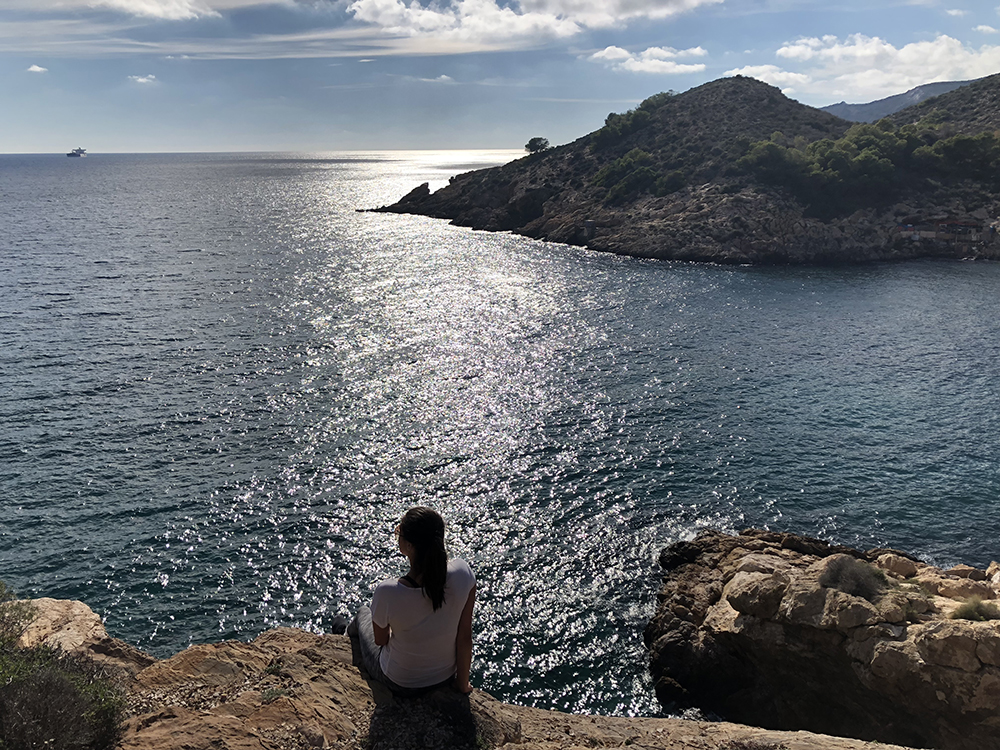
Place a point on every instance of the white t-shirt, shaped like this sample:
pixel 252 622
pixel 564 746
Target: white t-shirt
pixel 421 648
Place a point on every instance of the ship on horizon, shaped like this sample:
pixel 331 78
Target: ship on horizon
pixel 77 152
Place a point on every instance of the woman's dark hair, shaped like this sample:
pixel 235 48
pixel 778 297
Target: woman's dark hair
pixel 424 529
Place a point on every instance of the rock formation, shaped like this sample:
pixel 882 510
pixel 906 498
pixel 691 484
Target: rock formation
pixel 293 690
pixel 787 632
pixel 665 181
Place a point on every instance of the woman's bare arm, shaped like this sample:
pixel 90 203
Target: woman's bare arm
pixel 463 645
pixel 381 635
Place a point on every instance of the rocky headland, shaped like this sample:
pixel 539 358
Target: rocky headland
pixel 735 172
pixel 782 631
pixel 294 690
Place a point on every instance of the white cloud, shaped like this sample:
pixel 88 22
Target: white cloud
pixel 527 22
pixel 669 53
pixel 806 49
pixel 376 27
pixel 957 12
pixel 787 81
pixel 440 79
pixel 175 10
pixel 861 68
pixel 470 21
pixel 144 80
pixel 660 60
pixel 606 13
pixel 986 29
pixel 37 69
pixel 612 54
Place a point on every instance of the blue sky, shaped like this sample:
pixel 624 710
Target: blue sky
pixel 307 75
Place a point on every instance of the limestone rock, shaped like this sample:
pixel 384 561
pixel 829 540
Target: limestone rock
pixel 967 571
pixel 756 594
pixel 74 627
pixel 293 690
pixel 897 565
pixel 958 588
pixel 810 636
pixel 993 573
pixel 285 684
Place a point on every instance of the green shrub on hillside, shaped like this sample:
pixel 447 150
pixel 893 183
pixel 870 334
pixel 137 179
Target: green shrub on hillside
pixel 639 180
pixel 934 119
pixel 617 126
pixel 654 102
pixel 976 157
pixel 868 163
pixel 50 699
pixel 627 176
pixel 14 617
pixel 611 173
pixel 670 182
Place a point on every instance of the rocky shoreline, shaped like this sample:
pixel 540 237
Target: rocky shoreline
pixel 799 643
pixel 294 690
pixel 784 631
pixel 717 222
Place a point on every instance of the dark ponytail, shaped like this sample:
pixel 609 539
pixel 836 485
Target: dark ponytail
pixel 424 529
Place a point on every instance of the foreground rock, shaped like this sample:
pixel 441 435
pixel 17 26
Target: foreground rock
pixel 788 632
pixel 293 690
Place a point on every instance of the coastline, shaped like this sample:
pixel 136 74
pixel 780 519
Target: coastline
pixel 797 643
pixel 292 690
pixel 717 222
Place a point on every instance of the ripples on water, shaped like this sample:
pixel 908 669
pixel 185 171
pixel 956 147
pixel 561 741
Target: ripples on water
pixel 222 386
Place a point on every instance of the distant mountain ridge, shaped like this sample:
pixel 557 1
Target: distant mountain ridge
pixel 970 109
pixel 875 111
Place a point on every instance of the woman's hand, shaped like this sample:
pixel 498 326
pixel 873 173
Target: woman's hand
pixel 463 646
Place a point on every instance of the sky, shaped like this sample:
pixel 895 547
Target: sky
pixel 333 75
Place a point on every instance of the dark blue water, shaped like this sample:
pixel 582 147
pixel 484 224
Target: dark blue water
pixel 221 386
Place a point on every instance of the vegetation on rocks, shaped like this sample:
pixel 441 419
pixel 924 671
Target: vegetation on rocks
pixel 871 164
pixel 751 744
pixel 48 698
pixel 974 108
pixel 854 577
pixel 977 610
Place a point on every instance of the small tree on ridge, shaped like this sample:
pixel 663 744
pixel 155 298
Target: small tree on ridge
pixel 537 144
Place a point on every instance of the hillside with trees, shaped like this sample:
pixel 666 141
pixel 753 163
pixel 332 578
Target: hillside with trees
pixel 733 171
pixel 969 110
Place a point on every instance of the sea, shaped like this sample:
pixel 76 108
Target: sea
pixel 221 385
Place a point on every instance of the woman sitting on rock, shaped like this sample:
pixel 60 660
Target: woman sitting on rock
pixel 417 635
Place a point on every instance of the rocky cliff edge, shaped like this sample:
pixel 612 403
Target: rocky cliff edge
pixel 784 631
pixel 294 690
